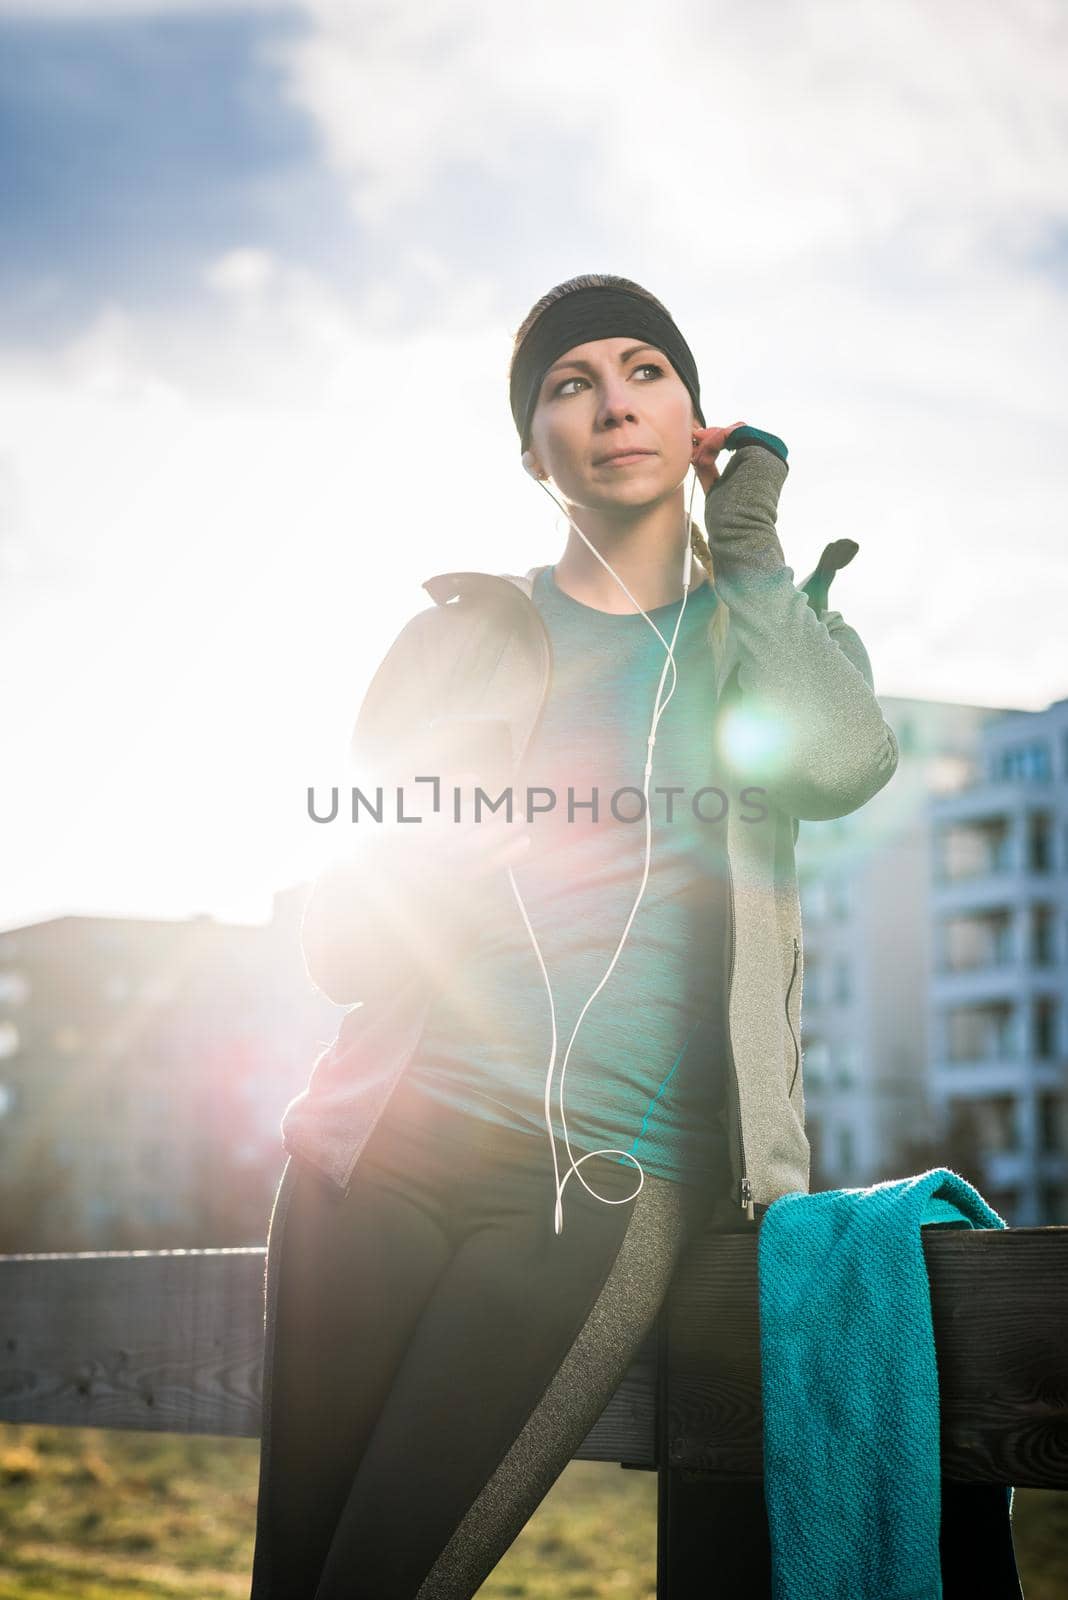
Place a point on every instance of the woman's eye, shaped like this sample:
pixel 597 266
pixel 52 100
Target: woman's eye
pixel 646 366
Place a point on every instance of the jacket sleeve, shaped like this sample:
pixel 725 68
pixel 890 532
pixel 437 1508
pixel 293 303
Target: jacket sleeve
pixel 801 720
pixel 383 906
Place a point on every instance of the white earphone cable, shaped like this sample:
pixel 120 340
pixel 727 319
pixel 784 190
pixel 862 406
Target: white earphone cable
pixel 658 711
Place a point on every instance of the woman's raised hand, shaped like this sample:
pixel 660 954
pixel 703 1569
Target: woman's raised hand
pixel 710 442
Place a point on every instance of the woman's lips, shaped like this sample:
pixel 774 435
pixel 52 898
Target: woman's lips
pixel 627 460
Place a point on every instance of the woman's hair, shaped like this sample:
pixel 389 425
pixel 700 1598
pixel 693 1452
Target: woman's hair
pixel 610 280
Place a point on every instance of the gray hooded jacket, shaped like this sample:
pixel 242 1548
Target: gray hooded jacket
pixel 797 723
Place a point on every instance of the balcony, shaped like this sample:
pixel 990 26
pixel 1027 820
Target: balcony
pixel 1006 1169
pixel 980 943
pixel 993 858
pixel 979 988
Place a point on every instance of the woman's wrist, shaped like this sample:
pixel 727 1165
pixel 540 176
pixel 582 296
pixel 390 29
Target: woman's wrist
pixel 747 435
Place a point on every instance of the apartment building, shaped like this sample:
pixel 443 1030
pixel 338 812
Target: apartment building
pixel 144 1068
pixel 865 1025
pixel 999 981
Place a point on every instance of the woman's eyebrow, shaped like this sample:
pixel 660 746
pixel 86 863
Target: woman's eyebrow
pixel 586 366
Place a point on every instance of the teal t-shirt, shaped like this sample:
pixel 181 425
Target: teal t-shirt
pixel 646 1073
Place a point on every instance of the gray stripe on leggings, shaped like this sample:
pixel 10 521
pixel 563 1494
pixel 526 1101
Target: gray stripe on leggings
pixel 582 1386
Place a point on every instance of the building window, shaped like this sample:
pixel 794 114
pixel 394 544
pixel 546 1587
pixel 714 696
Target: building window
pixel 1045 1028
pixel 981 1033
pixel 969 850
pixel 1039 842
pixel 1053 1123
pixel 994 1121
pixel 1042 952
pixel 974 942
pixel 1023 761
pixel 845 1150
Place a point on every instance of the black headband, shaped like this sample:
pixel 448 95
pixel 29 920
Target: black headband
pixel 587 314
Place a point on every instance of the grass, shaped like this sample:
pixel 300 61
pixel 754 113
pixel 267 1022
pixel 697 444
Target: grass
pixel 95 1514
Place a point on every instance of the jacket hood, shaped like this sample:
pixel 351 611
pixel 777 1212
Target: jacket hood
pixel 446 586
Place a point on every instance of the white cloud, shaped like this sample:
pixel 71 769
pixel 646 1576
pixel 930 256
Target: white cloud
pixel 216 519
pixel 241 273
pixel 813 131
pixel 108 10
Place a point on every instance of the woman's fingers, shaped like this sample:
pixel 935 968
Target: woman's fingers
pixel 713 439
pixel 710 441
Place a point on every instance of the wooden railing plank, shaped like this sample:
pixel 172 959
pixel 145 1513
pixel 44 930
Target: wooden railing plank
pixel 172 1341
pixel 165 1341
pixel 999 1308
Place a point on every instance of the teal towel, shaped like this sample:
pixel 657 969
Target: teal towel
pixel 852 1461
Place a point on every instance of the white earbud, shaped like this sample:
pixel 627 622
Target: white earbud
pixel 658 711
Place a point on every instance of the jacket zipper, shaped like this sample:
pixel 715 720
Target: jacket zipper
pixel 789 1023
pixel 745 1187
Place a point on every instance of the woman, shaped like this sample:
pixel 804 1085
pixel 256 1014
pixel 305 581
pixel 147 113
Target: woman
pixel 447 1314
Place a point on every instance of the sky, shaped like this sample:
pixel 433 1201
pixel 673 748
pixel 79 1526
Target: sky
pixel 260 270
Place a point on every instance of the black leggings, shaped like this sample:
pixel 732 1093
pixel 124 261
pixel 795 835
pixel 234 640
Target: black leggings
pixel 439 1352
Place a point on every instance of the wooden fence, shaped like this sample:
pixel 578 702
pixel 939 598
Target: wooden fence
pixel 172 1341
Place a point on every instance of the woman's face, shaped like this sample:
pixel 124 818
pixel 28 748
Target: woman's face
pixel 604 397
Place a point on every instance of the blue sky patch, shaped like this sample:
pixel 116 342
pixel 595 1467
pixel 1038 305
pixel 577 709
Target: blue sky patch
pixel 132 150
